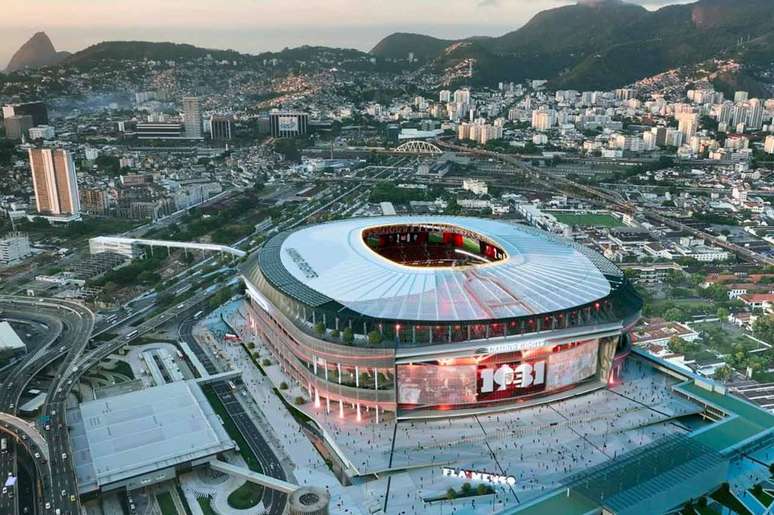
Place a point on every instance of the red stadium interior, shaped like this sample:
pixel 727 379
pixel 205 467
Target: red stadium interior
pixel 432 245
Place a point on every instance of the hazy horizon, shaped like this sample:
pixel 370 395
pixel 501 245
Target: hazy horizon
pixel 255 26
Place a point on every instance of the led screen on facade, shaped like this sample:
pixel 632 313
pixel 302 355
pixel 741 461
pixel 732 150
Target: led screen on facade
pixel 496 377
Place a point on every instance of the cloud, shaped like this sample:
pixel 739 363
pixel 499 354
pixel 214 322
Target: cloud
pixel 488 3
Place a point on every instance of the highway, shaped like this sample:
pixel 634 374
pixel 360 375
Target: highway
pixel 70 371
pixel 69 325
pixel 72 345
pixel 274 501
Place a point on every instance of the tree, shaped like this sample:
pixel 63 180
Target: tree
pixel 674 314
pixel 723 373
pixel 374 337
pixel 467 489
pixel 763 328
pixel 676 345
pixel 451 494
pixel 722 314
pixel 347 336
pixel 483 489
pixel 319 328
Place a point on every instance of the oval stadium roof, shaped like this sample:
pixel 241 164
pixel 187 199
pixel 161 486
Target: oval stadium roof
pixel 541 273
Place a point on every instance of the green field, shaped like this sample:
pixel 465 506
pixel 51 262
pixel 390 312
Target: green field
pixel 205 503
pixel 589 219
pixel 246 496
pixel 166 504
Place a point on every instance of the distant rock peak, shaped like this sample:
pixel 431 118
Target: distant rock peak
pixel 37 52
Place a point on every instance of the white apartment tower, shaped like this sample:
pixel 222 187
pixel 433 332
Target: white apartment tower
pixel 193 117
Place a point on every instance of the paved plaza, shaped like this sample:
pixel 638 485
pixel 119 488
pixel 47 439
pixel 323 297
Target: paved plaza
pixel 539 446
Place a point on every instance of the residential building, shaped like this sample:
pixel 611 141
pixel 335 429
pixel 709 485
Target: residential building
pixel 192 117
pixel 54 181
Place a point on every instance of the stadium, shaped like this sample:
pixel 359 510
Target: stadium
pixel 436 316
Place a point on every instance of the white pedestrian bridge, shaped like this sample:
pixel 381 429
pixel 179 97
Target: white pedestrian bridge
pixel 129 247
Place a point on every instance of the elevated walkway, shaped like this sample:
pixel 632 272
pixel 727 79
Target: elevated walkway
pixel 254 477
pixel 127 246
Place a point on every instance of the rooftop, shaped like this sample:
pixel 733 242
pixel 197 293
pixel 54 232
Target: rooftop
pixel 9 340
pixel 136 433
pixel 539 273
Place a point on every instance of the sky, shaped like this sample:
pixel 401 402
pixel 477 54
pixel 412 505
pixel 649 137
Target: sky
pixel 254 26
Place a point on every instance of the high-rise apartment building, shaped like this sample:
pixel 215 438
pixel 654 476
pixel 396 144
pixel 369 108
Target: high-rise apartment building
pixel 688 124
pixel 768 146
pixel 755 116
pixel 543 119
pixel 55 182
pixel 193 117
pixel 462 96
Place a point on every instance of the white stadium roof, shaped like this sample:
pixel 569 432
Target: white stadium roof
pixel 541 273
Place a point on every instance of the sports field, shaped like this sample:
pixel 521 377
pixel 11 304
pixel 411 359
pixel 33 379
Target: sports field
pixel 588 219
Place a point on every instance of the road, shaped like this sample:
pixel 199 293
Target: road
pixel 69 326
pixel 270 465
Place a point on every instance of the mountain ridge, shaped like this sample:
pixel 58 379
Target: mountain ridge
pixel 598 43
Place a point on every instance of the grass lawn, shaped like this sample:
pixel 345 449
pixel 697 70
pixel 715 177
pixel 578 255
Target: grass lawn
pixel 763 497
pixel 166 504
pixel 205 503
pixel 588 219
pixel 246 496
pixel 123 368
pixel 724 497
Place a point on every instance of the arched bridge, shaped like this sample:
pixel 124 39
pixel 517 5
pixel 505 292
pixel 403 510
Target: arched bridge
pixel 418 147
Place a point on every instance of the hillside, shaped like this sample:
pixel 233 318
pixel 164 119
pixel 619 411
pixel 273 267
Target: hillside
pixel 603 43
pixel 136 50
pixel 398 46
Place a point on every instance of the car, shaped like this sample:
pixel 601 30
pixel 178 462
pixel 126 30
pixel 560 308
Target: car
pixel 64 493
pixel 37 455
pixel 48 505
pixel 5 490
pixel 64 455
pixel 72 497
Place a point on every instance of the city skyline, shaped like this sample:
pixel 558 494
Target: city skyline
pixel 251 28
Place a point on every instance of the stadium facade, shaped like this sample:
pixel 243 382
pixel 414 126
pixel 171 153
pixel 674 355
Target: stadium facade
pixel 439 315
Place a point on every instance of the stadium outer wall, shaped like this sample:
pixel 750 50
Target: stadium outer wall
pixel 559 363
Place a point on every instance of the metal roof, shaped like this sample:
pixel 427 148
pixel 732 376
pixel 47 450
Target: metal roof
pixel 9 340
pixel 140 432
pixel 542 273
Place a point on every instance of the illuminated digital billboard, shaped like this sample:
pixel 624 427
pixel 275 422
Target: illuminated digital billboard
pixel 468 381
